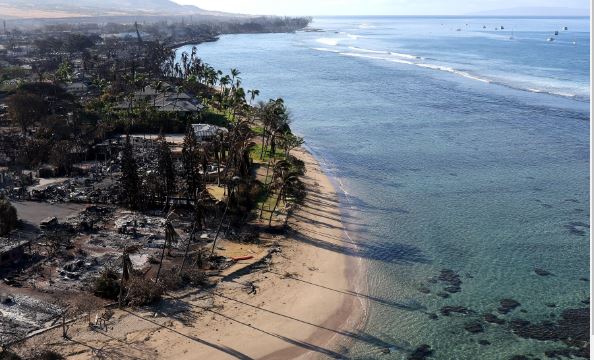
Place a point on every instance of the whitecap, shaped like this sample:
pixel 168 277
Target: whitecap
pixel 328 41
pixel 406 56
pixel 367 50
pixel 391 57
pixel 366 56
pixel 325 50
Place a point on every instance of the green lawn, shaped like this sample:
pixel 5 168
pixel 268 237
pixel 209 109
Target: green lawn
pixel 257 149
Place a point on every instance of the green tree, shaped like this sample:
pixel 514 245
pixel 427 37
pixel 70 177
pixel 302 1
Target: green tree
pixel 130 181
pixel 64 72
pixel 165 167
pixel 25 109
pixel 287 184
pixel 60 156
pixel 289 141
pixel 191 163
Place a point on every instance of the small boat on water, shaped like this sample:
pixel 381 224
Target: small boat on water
pixel 502 28
pixel 551 39
pixel 556 33
pixel 565 28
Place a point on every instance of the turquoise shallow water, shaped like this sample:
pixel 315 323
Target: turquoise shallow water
pixel 452 154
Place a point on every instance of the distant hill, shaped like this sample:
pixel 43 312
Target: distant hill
pixel 534 11
pixel 77 8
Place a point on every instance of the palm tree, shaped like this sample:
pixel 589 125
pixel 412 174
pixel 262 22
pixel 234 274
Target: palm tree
pixel 196 226
pixel 230 186
pixel 238 100
pixel 289 141
pixel 234 75
pixel 126 270
pixel 253 93
pixel 285 180
pixel 170 236
pixel 224 81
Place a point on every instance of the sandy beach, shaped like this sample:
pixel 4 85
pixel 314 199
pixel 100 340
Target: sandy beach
pixel 306 304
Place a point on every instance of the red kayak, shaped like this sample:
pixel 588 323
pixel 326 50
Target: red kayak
pixel 238 258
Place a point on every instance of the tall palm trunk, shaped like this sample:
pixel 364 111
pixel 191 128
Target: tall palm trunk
pixel 161 261
pixel 190 241
pixel 280 194
pixel 267 188
pixel 214 243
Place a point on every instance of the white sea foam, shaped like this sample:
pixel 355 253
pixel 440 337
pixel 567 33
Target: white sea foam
pixel 453 71
pixel 409 59
pixel 328 41
pixel 407 56
pixel 367 50
pixel 558 93
pixel 351 36
pixel 423 65
pixel 393 53
pixel 326 50
pixel 366 26
pixel 366 56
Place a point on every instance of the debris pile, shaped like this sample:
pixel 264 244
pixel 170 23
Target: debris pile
pixel 21 314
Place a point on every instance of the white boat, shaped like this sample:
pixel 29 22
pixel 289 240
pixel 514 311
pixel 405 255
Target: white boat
pixel 551 39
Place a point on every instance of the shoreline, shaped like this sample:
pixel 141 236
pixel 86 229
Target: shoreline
pixel 307 305
pixel 351 315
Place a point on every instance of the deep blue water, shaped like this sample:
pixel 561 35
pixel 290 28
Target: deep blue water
pixel 453 154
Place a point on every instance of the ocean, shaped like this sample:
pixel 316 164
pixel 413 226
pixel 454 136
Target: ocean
pixel 461 148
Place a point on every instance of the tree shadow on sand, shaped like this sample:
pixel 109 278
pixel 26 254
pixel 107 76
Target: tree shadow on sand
pixel 299 343
pixel 354 335
pixel 109 352
pixel 225 349
pixel 410 306
pixel 388 251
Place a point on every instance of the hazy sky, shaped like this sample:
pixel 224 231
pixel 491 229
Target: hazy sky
pixel 374 7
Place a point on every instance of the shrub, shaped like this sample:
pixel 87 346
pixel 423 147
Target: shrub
pixel 194 277
pixel 143 291
pixel 107 285
pixel 171 280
